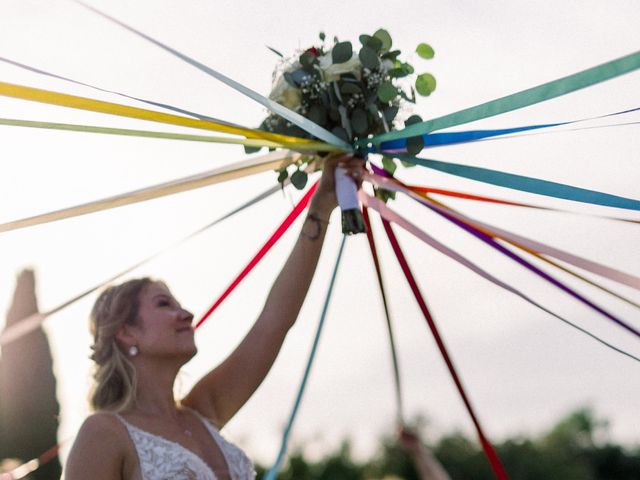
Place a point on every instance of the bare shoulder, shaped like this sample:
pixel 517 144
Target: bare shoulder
pixel 99 450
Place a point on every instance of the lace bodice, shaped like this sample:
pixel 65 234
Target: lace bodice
pixel 162 459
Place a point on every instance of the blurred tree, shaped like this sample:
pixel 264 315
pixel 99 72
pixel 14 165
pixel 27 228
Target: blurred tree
pixel 28 406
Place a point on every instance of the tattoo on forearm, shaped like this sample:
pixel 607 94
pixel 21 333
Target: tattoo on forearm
pixel 314 219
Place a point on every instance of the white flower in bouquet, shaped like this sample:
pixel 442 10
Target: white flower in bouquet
pixel 285 94
pixel 332 71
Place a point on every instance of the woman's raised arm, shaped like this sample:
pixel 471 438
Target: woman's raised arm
pixel 222 392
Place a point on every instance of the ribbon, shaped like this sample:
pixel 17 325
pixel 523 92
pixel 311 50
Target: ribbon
pixel 387 316
pixel 250 166
pixel 492 456
pixel 26 325
pixel 526 184
pixel 519 240
pixel 491 242
pixel 468 196
pixel 252 142
pixel 92 105
pixel 284 226
pixel 392 216
pixel 450 138
pixel 295 118
pixel 483 228
pixel 531 96
pixel 149 102
pixel 273 471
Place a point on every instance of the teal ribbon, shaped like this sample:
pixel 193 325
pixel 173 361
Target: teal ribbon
pixel 526 184
pixel 531 96
pixel 273 471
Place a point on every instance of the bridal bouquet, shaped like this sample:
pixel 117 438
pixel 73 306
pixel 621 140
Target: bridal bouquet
pixel 355 93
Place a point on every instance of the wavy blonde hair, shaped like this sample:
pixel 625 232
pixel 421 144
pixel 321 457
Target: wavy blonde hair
pixel 115 376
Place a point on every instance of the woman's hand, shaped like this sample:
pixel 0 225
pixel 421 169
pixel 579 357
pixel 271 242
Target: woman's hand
pixel 324 200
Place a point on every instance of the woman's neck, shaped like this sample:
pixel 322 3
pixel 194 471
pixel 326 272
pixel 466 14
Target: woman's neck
pixel 154 390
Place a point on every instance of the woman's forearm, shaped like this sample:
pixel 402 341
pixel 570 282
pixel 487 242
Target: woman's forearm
pixel 290 287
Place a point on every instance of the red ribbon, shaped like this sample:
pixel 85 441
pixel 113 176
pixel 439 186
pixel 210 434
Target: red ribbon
pixel 392 342
pixel 284 226
pixel 489 451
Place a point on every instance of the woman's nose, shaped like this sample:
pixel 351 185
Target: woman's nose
pixel 186 316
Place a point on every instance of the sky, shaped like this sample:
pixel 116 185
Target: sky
pixel 522 368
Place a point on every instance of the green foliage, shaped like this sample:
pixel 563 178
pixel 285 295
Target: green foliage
pixel 568 451
pixel 425 51
pixel 425 84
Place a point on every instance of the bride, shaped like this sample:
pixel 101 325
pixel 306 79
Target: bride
pixel 143 336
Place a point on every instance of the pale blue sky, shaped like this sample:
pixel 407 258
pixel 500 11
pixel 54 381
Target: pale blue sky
pixel 522 368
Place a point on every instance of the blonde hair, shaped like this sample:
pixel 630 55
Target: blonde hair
pixel 115 375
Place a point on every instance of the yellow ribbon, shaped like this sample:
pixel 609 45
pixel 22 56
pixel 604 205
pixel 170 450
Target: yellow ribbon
pixel 83 103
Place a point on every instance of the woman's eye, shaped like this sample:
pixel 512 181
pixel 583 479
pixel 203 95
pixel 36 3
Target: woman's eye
pixel 163 303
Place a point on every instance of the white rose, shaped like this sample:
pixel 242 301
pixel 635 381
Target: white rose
pixel 332 71
pixel 285 94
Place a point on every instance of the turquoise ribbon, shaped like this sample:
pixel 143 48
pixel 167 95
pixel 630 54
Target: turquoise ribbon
pixel 526 184
pixel 543 92
pixel 273 471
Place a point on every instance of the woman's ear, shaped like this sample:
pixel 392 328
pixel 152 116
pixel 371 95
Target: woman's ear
pixel 127 336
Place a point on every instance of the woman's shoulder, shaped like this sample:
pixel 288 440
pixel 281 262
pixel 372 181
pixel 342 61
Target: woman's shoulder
pixel 98 448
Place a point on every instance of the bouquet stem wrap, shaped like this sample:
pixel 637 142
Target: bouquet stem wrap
pixel 347 194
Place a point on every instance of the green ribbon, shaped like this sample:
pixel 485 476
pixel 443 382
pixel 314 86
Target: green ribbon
pixel 251 142
pixel 531 96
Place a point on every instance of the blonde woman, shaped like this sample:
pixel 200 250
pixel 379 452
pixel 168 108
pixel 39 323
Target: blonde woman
pixel 143 336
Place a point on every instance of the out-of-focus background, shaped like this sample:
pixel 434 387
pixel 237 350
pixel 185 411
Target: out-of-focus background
pixel 523 369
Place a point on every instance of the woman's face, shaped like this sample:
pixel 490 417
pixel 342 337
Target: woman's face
pixel 164 328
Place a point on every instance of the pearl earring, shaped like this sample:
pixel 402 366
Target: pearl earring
pixel 133 351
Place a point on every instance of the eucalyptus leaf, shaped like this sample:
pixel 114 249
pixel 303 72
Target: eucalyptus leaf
pixel 390 113
pixel 349 88
pixel 397 73
pixel 299 179
pixel 289 79
pixel 385 195
pixel 341 52
pixel 364 39
pixel 248 149
pixel 322 36
pixel 415 145
pixel 317 114
pixel 391 55
pixel 282 175
pixel 413 119
pixel 425 51
pixel 359 121
pixel 407 68
pixel 385 38
pixel 389 165
pixel 387 92
pixel 425 84
pixel 340 133
pixel 374 44
pixel 369 58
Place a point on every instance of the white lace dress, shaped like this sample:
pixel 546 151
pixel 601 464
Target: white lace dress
pixel 162 459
